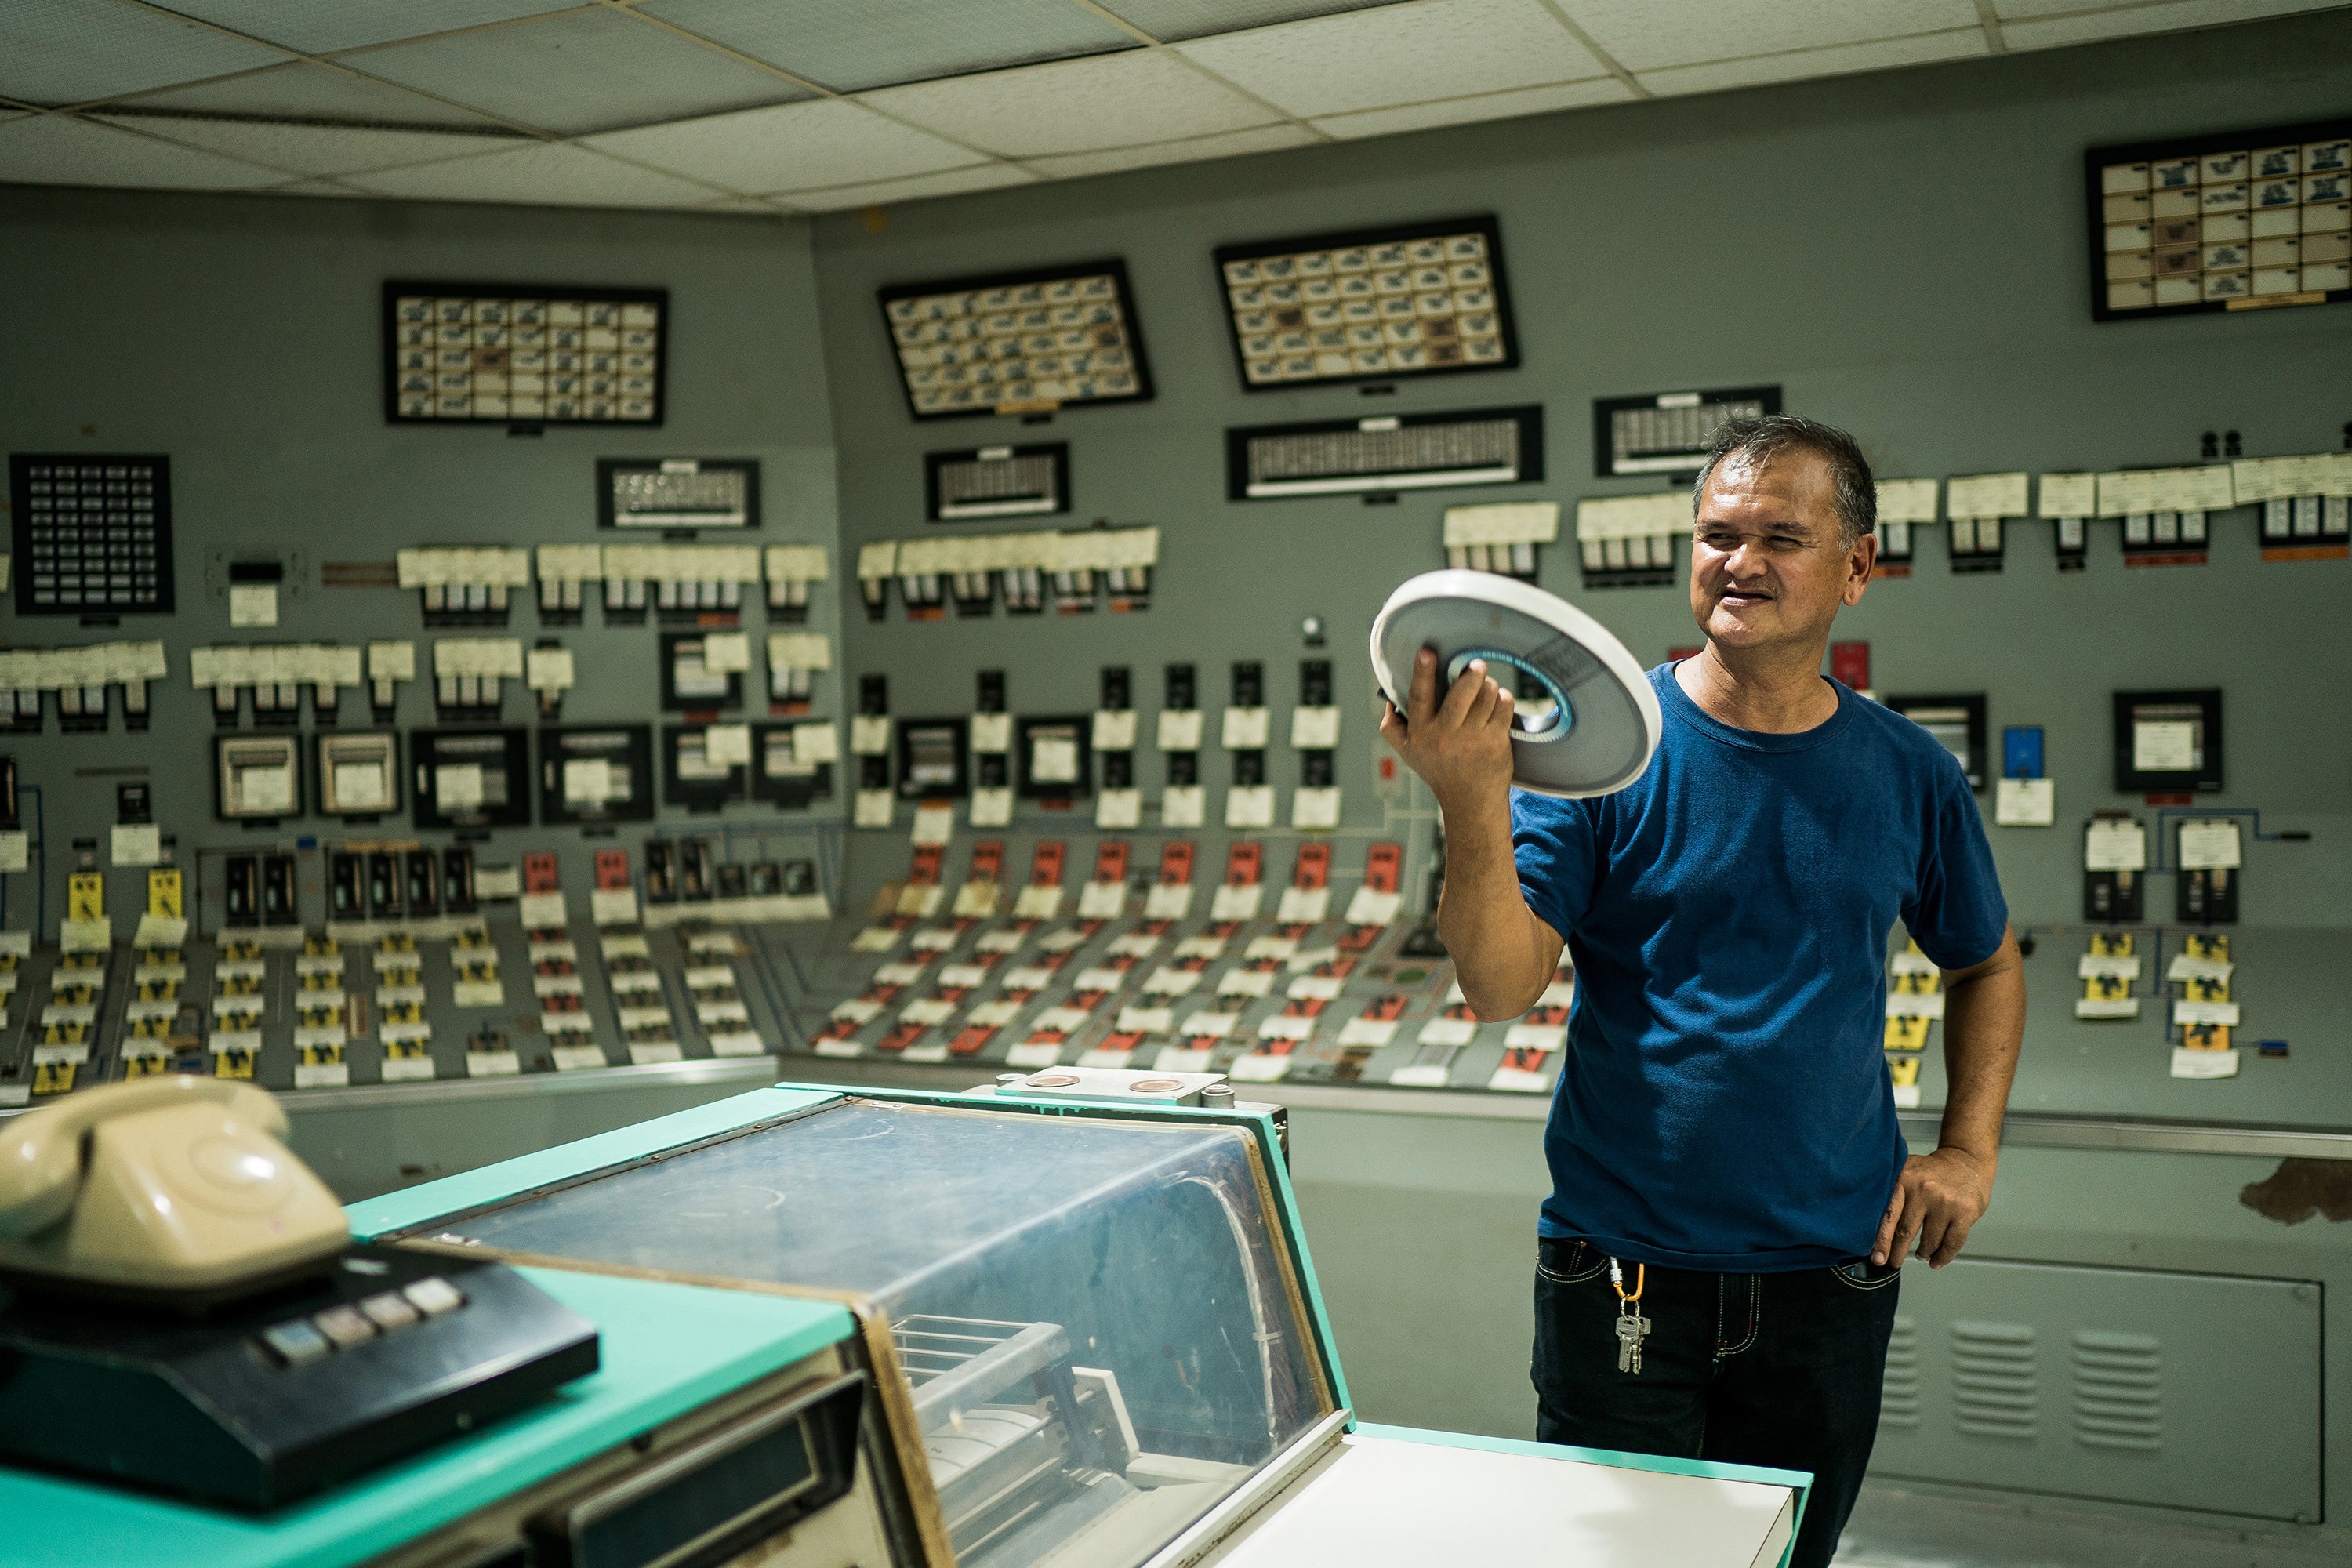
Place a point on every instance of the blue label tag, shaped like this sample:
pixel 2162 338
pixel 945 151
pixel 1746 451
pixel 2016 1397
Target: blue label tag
pixel 2020 752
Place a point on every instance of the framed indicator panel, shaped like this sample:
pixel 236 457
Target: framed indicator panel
pixel 1018 343
pixel 689 778
pixel 91 532
pixel 677 492
pixel 933 762
pixel 2167 742
pixel 688 684
pixel 257 778
pixel 593 773
pixel 359 774
pixel 1053 757
pixel 2238 220
pixel 1958 722
pixel 473 354
pixel 1373 305
pixel 780 775
pixel 1667 432
pixel 1385 453
pixel 997 481
pixel 470 778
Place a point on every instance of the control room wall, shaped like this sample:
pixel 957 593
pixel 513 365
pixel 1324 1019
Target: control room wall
pixel 1903 252
pixel 242 336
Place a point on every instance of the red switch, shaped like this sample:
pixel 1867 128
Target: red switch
pixel 1850 664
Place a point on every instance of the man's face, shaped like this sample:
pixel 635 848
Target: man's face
pixel 1768 567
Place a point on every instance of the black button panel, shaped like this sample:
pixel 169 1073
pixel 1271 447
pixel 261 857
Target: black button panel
pixel 92 533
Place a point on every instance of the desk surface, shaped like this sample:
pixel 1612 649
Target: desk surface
pixel 1390 1497
pixel 653 1371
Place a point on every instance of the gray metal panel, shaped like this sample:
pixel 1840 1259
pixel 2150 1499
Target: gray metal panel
pixel 1949 393
pixel 2120 1068
pixel 2188 1391
pixel 306 468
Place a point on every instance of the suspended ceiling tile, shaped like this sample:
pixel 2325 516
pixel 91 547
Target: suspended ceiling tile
pixel 749 205
pixel 76 51
pixel 2215 11
pixel 301 90
pixel 542 174
pixel 52 150
pixel 582 71
pixel 881 193
pixel 851 45
pixel 314 188
pixel 2185 14
pixel 2008 10
pixel 1074 105
pixel 1968 43
pixel 1371 60
pixel 795 146
pixel 1193 149
pixel 1658 33
pixel 1171 20
pixel 310 149
pixel 317 29
pixel 1483 106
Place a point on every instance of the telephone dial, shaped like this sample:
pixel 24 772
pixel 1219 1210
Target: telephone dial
pixel 171 1188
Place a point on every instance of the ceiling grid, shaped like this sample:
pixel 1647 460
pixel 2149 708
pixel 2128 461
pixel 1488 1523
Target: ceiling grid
pixel 803 106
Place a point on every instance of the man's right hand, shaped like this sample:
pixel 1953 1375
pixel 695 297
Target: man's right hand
pixel 1462 745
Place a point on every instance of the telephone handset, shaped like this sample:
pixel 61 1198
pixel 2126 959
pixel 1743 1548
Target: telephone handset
pixel 172 1189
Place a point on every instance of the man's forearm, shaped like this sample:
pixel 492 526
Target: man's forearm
pixel 1984 1029
pixel 1502 955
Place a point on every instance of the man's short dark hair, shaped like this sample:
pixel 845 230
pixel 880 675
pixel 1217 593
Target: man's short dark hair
pixel 1758 441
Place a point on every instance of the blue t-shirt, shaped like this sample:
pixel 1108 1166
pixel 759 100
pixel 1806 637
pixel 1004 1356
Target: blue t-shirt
pixel 1725 1102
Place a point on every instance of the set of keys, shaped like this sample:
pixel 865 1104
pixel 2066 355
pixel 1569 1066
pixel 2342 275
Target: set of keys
pixel 1632 1328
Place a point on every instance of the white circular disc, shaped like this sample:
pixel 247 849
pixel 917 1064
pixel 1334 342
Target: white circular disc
pixel 1599 736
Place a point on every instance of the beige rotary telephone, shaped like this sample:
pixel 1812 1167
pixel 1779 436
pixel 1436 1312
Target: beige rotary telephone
pixel 171 1189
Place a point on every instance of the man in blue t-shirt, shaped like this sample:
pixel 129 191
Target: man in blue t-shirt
pixel 1727 1168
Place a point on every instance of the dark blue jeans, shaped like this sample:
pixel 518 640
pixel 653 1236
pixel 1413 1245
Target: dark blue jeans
pixel 1782 1370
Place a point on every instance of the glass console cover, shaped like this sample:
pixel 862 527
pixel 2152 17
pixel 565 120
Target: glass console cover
pixel 1100 1319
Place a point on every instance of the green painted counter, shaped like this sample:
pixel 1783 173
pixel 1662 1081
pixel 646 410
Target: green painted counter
pixel 655 1370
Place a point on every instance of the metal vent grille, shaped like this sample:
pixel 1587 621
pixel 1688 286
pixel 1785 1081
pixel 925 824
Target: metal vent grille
pixel 1491 446
pixel 1995 1390
pixel 2118 1390
pixel 998 481
pixel 1898 1395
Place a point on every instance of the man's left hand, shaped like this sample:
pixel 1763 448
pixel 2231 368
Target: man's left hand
pixel 1938 1199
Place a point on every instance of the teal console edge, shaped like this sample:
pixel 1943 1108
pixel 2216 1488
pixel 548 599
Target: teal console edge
pixel 655 1370
pixel 416 1206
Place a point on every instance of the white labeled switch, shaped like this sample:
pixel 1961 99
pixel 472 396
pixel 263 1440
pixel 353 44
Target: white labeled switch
pixel 1314 729
pixel 1114 729
pixel 725 652
pixel 991 733
pixel 727 745
pixel 548 670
